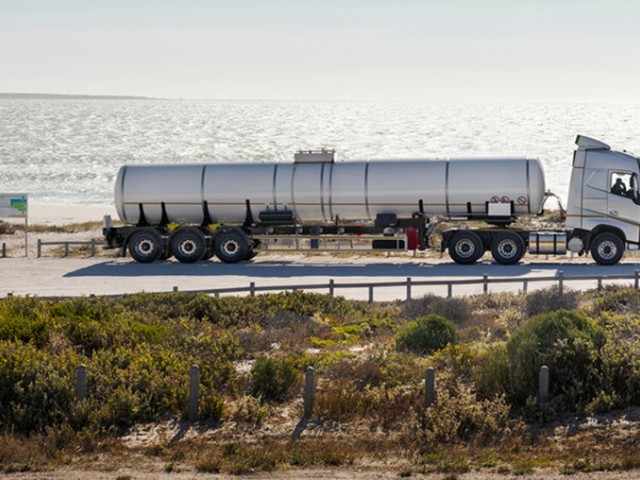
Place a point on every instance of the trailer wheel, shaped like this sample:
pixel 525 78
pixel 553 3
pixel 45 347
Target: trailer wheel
pixel 507 248
pixel 466 248
pixel 188 245
pixel 231 246
pixel 607 249
pixel 145 245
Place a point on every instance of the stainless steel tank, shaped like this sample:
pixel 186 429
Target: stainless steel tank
pixel 318 192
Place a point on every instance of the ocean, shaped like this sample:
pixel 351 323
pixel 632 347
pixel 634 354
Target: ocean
pixel 69 151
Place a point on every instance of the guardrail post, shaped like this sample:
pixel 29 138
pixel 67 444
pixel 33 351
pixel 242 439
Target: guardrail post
pixel 39 249
pixel 561 283
pixel 525 286
pixel 252 289
pixel 4 251
pixel 636 279
pixel 429 387
pixel 408 288
pixel 449 290
pixel 93 247
pixel 599 283
pixel 543 392
pixel 485 283
pixel 194 392
pixel 66 249
pixel 331 287
pixel 81 382
pixel 370 293
pixel 309 386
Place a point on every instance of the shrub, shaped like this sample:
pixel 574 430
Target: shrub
pixel 567 342
pixel 427 334
pixel 550 300
pixel 455 309
pixel 272 379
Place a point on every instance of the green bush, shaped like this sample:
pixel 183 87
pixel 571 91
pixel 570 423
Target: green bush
pixel 567 342
pixel 272 379
pixel 427 335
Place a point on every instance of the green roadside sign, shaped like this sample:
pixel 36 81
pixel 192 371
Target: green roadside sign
pixel 14 205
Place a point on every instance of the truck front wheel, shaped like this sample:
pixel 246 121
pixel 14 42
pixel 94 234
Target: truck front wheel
pixel 507 248
pixel 607 249
pixel 145 245
pixel 466 248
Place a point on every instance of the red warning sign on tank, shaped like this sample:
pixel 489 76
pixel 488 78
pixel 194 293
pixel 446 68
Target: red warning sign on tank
pixel 522 200
pixel 505 199
pixel 495 199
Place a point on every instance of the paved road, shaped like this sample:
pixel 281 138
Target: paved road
pixel 103 276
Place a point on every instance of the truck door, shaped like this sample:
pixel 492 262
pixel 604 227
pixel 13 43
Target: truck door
pixel 624 203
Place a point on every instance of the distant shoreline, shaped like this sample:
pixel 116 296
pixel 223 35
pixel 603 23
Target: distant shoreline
pixel 58 96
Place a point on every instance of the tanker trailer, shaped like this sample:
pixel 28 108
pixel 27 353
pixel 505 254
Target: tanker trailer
pixel 194 212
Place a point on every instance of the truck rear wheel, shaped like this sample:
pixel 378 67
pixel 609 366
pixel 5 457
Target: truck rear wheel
pixel 145 245
pixel 507 248
pixel 231 246
pixel 607 249
pixel 466 248
pixel 188 245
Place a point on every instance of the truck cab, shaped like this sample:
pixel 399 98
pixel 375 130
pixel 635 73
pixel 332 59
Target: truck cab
pixel 604 201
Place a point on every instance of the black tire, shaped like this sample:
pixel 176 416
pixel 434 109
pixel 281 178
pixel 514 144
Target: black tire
pixel 145 246
pixel 607 249
pixel 507 248
pixel 188 245
pixel 231 246
pixel 466 248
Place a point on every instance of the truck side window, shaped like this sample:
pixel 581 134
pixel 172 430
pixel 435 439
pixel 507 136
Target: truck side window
pixel 620 184
pixel 632 192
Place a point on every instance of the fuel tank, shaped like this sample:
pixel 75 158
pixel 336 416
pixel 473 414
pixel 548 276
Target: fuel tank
pixel 317 192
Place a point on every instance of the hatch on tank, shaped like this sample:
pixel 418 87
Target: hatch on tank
pixel 314 156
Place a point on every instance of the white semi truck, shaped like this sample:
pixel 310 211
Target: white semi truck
pixel 195 212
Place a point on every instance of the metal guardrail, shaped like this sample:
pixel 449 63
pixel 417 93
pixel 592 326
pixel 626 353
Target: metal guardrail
pixel 91 243
pixel 409 284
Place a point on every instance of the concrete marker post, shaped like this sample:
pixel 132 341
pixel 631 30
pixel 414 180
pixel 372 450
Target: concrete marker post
pixel 309 387
pixel 194 392
pixel 81 382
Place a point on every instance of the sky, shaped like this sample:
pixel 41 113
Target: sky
pixel 379 50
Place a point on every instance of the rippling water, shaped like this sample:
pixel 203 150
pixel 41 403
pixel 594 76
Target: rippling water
pixel 68 151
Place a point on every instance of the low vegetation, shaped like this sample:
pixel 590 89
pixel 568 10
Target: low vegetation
pixel 369 362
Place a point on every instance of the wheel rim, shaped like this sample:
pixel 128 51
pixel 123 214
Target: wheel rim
pixel 145 246
pixel 230 247
pixel 465 248
pixel 607 250
pixel 507 249
pixel 187 247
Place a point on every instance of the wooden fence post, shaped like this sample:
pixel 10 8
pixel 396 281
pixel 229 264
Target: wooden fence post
pixel 543 392
pixel 81 382
pixel 309 387
pixel 429 387
pixel 194 392
pixel 561 283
